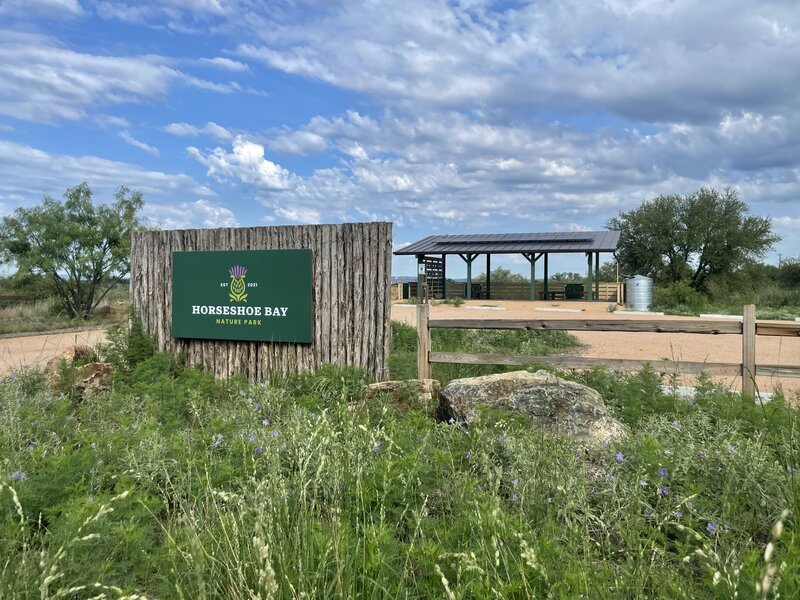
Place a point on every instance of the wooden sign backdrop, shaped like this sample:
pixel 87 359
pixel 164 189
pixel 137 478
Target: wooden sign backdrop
pixel 351 270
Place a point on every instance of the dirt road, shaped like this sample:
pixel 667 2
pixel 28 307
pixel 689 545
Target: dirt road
pixel 35 350
pixel 656 346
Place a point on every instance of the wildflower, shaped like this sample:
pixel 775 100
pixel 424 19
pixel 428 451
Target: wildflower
pixel 259 449
pixel 731 449
pixel 217 440
pixel 450 421
pixel 647 512
pixel 257 406
pixel 19 475
pixel 677 425
pixel 791 471
pixel 549 500
pixel 265 422
pixel 726 528
pixel 13 375
pixel 701 454
pixel 275 433
pixel 664 491
pixel 250 437
pixel 502 438
pixel 514 482
pixel 662 472
pixel 643 482
pixel 711 527
pixel 514 498
pixel 31 447
pixel 469 454
pixel 283 446
pixel 620 457
pixel 377 445
pixel 677 514
pixel 90 500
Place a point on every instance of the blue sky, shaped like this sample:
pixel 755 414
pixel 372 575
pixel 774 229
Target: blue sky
pixel 443 117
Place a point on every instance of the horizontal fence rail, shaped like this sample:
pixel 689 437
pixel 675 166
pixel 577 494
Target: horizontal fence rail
pixel 748 328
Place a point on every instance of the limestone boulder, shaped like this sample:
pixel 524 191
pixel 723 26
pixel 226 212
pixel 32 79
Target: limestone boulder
pixel 550 402
pixel 95 378
pixel 71 354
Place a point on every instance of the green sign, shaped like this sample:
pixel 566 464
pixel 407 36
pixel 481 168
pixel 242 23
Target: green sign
pixel 252 295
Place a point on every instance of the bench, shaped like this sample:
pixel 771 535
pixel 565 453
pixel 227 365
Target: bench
pixel 552 295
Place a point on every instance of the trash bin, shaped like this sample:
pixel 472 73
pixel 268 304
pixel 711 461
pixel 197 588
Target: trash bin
pixel 573 291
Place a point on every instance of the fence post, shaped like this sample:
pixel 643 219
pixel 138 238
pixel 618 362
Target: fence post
pixel 749 351
pixel 423 341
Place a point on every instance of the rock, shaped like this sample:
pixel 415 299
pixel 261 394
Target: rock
pixel 550 402
pixel 424 391
pixel 95 378
pixel 72 354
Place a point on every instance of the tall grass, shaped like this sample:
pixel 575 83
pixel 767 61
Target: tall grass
pixel 303 488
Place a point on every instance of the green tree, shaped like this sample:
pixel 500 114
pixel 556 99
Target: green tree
pixel 82 249
pixel 692 238
pixel 502 275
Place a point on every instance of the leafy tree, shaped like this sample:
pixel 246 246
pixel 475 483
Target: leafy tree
pixel 502 275
pixel 82 249
pixel 566 276
pixel 691 238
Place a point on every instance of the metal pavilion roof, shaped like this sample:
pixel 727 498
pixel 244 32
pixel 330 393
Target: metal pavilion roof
pixel 515 243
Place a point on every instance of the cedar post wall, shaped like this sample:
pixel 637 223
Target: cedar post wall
pixel 351 273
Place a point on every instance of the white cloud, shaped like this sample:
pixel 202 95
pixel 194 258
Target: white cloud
pixel 211 129
pixel 185 215
pixel 129 139
pixel 43 81
pixel 42 8
pixel 225 63
pixel 301 143
pixel 298 215
pixel 111 121
pixel 24 168
pixel 246 163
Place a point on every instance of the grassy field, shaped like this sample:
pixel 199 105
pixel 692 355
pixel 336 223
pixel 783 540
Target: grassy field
pixel 177 486
pixel 48 314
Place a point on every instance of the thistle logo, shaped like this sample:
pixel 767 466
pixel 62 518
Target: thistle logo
pixel 238 288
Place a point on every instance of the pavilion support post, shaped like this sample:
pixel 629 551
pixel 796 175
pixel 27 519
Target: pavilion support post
pixel 469 258
pixel 420 274
pixel 597 276
pixel 532 258
pixel 444 276
pixel 588 295
pixel 488 275
pixel 544 289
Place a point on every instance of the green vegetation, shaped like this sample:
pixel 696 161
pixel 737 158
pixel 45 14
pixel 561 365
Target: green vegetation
pixel 403 359
pixel 48 314
pixel 77 249
pixel 178 486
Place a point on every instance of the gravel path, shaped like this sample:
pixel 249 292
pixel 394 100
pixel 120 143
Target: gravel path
pixel 35 350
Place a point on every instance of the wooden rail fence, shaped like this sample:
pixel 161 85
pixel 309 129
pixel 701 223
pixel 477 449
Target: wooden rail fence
pixel 748 328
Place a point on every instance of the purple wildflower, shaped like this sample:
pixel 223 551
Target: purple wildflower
pixel 677 514
pixel 237 271
pixel 283 446
pixel 377 445
pixel 217 440
pixel 514 482
pixel 275 433
pixel 259 449
pixel 620 457
pixel 19 475
pixel 514 498
pixel 265 422
pixel 711 527
pixel 662 472
pixel 664 491
pixel 502 438
pixel 250 437
pixel 450 421
pixel 469 454
pixel 677 425
pixel 791 471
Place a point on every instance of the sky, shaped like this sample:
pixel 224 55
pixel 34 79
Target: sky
pixel 460 116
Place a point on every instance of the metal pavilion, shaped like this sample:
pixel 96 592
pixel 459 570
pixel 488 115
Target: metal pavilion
pixel 431 253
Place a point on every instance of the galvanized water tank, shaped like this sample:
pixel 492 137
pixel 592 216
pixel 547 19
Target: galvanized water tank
pixel 639 290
